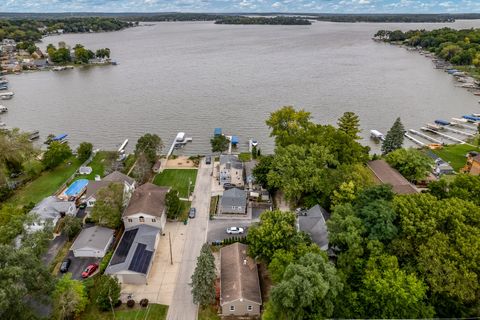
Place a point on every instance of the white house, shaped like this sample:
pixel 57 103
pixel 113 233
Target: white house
pixel 93 242
pixel 116 177
pixel 51 209
pixel 146 207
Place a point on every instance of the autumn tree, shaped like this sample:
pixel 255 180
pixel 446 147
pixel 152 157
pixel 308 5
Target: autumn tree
pixel 203 278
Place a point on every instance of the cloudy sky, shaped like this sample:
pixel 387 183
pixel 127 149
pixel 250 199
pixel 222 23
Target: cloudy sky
pixel 335 6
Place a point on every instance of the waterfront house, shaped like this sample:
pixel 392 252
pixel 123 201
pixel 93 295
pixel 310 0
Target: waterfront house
pixel 133 258
pixel 93 242
pixel 51 209
pixel 231 170
pixel 385 174
pixel 313 222
pixel 90 196
pixel 240 293
pixel 234 201
pixel 473 164
pixel 146 207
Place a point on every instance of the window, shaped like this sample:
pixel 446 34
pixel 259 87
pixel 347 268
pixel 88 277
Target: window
pixel 232 308
pixel 249 308
pixel 154 220
pixel 141 219
pixel 130 220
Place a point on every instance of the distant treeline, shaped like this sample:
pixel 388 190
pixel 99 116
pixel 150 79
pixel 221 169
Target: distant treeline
pixel 29 29
pixel 282 20
pixel 460 47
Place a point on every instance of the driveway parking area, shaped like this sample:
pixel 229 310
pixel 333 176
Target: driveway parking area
pixel 217 229
pixel 79 264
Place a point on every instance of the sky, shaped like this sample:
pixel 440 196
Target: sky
pixel 304 6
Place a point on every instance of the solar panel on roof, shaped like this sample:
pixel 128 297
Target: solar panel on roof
pixel 141 259
pixel 124 246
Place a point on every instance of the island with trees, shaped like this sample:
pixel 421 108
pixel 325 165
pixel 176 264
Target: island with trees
pixel 277 20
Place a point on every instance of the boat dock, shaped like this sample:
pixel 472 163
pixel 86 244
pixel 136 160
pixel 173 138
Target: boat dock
pixel 420 143
pixel 179 141
pixel 458 131
pixel 426 137
pixel 443 135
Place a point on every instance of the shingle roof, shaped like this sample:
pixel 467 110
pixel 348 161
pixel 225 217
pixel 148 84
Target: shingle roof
pixel 238 275
pixel 476 158
pixel 51 207
pixel 117 176
pixel 148 199
pixel 314 223
pixel 233 160
pixel 141 249
pixel 95 237
pixel 388 175
pixel 94 186
pixel 234 197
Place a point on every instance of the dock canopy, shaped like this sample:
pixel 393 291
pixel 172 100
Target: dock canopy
pixel 60 137
pixel 234 140
pixel 217 131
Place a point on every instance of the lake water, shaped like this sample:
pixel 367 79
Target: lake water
pixel 193 77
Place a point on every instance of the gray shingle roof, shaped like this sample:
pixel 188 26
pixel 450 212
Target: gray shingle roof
pixel 117 176
pixel 94 186
pixel 315 225
pixel 95 237
pixel 234 197
pixel 233 160
pixel 145 237
pixel 51 207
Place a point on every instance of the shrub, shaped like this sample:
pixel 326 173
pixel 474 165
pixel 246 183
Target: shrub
pixel 118 304
pixel 144 302
pixel 105 261
pixel 131 303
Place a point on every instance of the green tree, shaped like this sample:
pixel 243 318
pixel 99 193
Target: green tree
pixel 203 278
pixel 379 219
pixel 411 163
pixel 56 153
pixel 61 56
pixel 107 211
pixel 12 219
pixel 350 124
pixel 219 143
pixel 261 170
pixel 308 290
pixel 84 151
pixel 143 168
pixel 69 298
pixel 71 226
pixel 107 291
pixel 103 53
pixel 286 123
pixel 276 230
pixel 394 137
pixel 173 204
pixel 150 145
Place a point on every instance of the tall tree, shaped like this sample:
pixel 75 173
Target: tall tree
pixel 150 145
pixel 261 170
pixel 56 153
pixel 143 168
pixel 219 143
pixel 286 123
pixel 84 151
pixel 69 298
pixel 71 226
pixel 108 206
pixel 107 290
pixel 203 278
pixel 173 204
pixel 350 124
pixel 394 137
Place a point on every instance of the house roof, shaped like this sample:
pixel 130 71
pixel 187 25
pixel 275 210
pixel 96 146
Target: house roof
pixel 94 237
pixel 249 166
pixel 238 275
pixel 117 176
pixel 94 186
pixel 234 197
pixel 135 250
pixel 388 175
pixel 476 158
pixel 51 207
pixel 148 199
pixel 314 223
pixel 226 159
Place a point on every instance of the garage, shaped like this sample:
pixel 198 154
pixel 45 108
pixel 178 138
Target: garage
pixel 92 242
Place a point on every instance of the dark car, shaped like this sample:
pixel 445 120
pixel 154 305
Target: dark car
pixel 192 213
pixel 227 186
pixel 82 205
pixel 208 160
pixel 65 265
pixel 89 270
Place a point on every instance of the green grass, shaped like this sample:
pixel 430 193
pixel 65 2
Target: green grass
pixel 97 165
pixel 184 210
pixel 178 179
pixel 46 184
pixel 455 154
pixel 208 313
pixel 245 156
pixel 151 312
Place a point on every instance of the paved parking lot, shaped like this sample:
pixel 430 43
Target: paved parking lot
pixel 79 264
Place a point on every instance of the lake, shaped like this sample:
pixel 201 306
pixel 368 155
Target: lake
pixel 196 76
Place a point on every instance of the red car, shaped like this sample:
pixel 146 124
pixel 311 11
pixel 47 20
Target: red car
pixel 89 270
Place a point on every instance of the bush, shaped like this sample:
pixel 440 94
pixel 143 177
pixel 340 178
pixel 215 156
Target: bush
pixel 118 304
pixel 89 220
pixel 105 261
pixel 144 302
pixel 131 303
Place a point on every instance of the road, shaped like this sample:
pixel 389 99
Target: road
pixel 182 306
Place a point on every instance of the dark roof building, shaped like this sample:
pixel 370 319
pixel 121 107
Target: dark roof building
pixel 314 224
pixel 385 174
pixel 234 201
pixel 239 284
pixel 147 199
pixel 117 176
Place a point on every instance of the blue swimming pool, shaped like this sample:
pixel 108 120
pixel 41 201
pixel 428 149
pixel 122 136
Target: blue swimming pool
pixel 76 187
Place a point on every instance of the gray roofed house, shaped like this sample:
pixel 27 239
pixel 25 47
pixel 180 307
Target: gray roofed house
pixel 231 170
pixel 51 208
pixel 132 260
pixel 314 224
pixel 234 201
pixel 239 284
pixel 91 191
pixel 93 242
pixel 117 176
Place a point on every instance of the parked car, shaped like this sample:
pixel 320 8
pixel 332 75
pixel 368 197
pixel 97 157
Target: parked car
pixel 208 160
pixel 82 205
pixel 89 270
pixel 227 186
pixel 235 230
pixel 192 213
pixel 65 265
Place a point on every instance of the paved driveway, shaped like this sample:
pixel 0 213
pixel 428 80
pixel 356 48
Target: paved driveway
pixel 79 264
pixel 217 229
pixel 53 248
pixel 182 306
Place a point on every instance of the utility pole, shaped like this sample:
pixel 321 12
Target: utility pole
pixel 170 242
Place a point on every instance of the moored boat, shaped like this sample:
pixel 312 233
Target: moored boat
pixel 3 109
pixel 377 135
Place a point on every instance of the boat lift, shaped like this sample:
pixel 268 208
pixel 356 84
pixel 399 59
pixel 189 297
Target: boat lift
pixel 462 125
pixel 443 135
pixel 427 137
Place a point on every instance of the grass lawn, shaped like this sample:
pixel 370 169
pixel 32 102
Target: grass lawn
pixel 208 313
pixel 46 184
pixel 184 210
pixel 455 154
pixel 245 156
pixel 178 179
pixel 151 312
pixel 97 166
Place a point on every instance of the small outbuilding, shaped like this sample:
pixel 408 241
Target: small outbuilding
pixel 93 242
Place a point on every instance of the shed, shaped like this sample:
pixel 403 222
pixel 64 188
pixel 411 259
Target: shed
pixel 93 242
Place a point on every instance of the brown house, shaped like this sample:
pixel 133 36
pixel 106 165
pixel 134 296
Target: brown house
pixel 239 284
pixel 474 164
pixel 384 174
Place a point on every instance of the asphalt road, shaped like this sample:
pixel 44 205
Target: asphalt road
pixel 182 306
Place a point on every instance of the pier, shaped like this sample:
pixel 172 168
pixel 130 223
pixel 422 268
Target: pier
pixel 443 135
pixel 426 137
pixel 458 131
pixel 420 143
